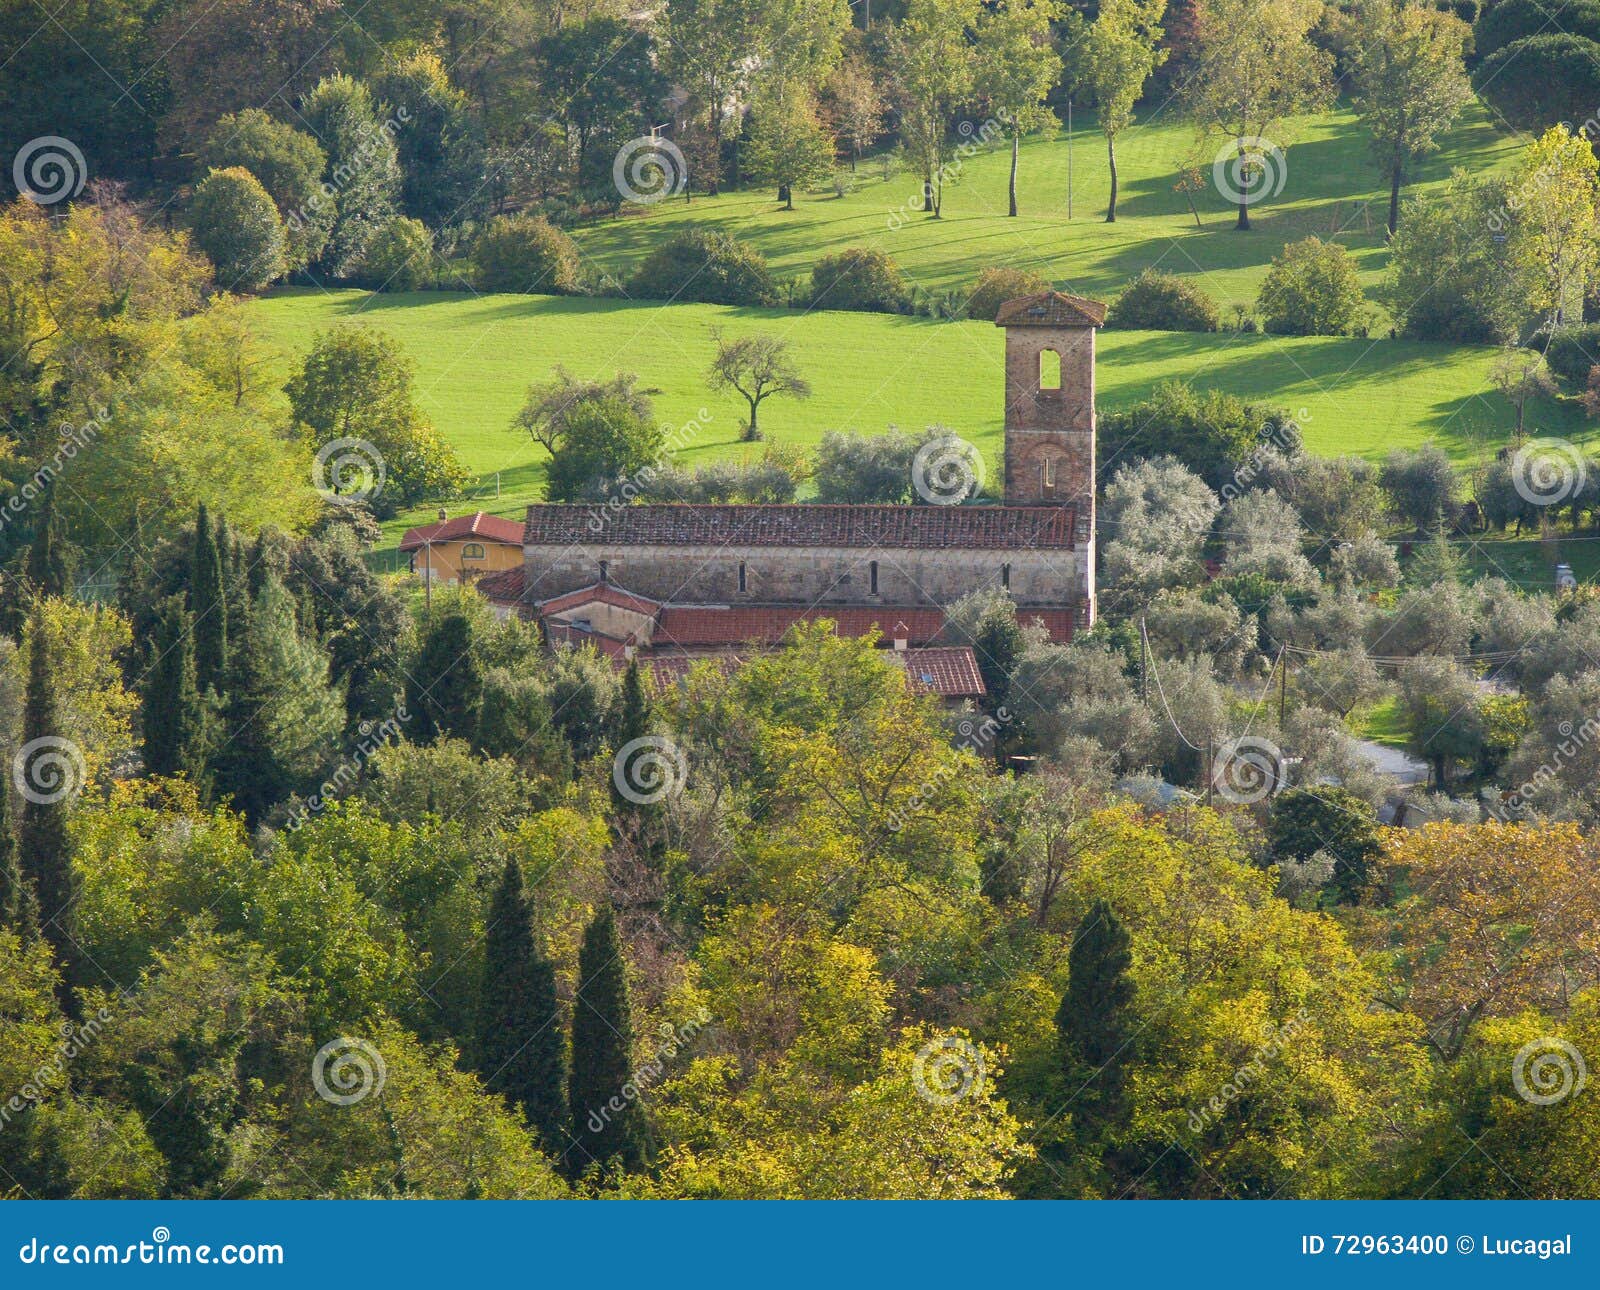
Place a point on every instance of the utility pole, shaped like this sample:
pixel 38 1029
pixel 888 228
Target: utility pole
pixel 1069 156
pixel 1283 685
pixel 1144 660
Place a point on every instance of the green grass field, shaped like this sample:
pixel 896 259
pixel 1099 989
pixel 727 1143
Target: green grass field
pixel 475 357
pixel 1331 188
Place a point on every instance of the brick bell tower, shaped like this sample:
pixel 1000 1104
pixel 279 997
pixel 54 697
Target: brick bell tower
pixel 1049 447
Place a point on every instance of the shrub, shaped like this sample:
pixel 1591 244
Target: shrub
pixel 1513 20
pixel 1572 352
pixel 237 226
pixel 525 253
pixel 859 277
pixel 289 163
pixel 1157 301
pixel 399 258
pixel 1538 80
pixel 996 286
pixel 711 268
pixel 1210 432
pixel 1311 290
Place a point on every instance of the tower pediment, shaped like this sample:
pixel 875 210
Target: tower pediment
pixel 1051 309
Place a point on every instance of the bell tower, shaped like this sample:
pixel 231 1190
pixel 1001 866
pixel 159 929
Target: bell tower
pixel 1049 445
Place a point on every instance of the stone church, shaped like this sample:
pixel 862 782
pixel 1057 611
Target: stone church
pixel 670 583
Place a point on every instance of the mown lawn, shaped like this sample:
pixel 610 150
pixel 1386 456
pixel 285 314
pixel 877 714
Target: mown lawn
pixel 475 356
pixel 1330 188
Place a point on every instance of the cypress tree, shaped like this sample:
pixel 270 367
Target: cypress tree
pixel 631 719
pixel 1094 1022
pixel 444 687
pixel 46 863
pixel 49 566
pixel 602 1055
pixel 173 715
pixel 11 902
pixel 209 607
pixel 521 1050
pixel 282 714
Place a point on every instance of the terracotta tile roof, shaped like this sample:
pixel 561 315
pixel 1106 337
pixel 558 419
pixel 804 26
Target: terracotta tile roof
pixel 1051 309
pixel 503 588
pixel 690 625
pixel 1058 623
pixel 606 593
pixel 1013 528
pixel 491 528
pixel 950 671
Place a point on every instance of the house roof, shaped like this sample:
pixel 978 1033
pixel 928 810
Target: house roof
pixel 690 626
pixel 950 672
pixel 605 593
pixel 1051 309
pixel 503 588
pixel 1011 528
pixel 490 528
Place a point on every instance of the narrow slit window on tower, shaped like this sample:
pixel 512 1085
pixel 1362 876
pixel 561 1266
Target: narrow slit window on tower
pixel 1049 369
pixel 1047 474
pixel 1005 576
pixel 742 581
pixel 605 571
pixel 872 577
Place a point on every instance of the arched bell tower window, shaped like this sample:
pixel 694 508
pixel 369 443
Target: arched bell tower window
pixel 1049 369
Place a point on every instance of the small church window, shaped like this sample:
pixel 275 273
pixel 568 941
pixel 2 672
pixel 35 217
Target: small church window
pixel 605 571
pixel 1047 469
pixel 742 583
pixel 1005 576
pixel 872 577
pixel 1049 369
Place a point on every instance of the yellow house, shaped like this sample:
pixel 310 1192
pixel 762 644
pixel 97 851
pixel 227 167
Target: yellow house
pixel 463 548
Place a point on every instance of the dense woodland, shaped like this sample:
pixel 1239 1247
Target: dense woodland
pixel 315 886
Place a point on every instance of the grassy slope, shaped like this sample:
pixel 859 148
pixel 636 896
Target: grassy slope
pixel 476 355
pixel 1331 189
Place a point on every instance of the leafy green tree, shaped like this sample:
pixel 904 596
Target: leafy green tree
pixel 356 383
pixel 399 257
pixel 51 765
pixel 1209 431
pixel 602 1056
pixel 1121 52
pixel 604 441
pixel 363 167
pixel 1411 83
pixel 238 227
pixel 756 367
pixel 13 902
pixel 174 716
pixel 933 65
pixel 790 147
pixel 1312 290
pixel 708 47
pixel 1325 818
pixel 604 75
pixel 1556 194
pixel 1422 486
pixel 711 268
pixel 50 558
pixel 521 1049
pixel 282 713
pixel 440 143
pixel 208 605
pixel 289 163
pixel 444 687
pixel 1260 67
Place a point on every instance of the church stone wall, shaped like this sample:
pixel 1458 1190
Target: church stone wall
pixel 806 575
